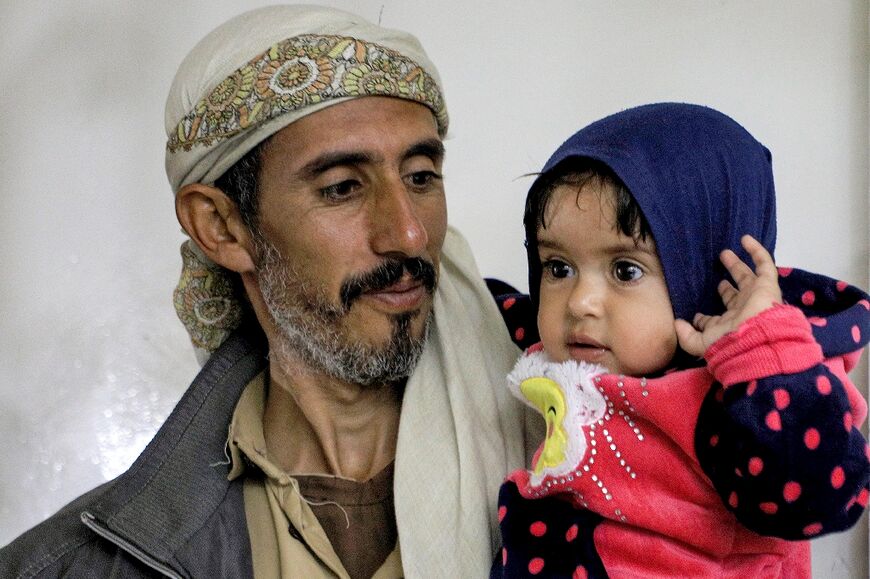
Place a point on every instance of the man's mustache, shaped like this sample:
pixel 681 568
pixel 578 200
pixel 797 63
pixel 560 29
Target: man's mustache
pixel 385 275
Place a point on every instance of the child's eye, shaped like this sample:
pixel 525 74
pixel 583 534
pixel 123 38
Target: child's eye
pixel 627 271
pixel 557 269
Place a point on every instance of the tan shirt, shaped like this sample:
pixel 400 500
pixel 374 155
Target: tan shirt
pixel 275 509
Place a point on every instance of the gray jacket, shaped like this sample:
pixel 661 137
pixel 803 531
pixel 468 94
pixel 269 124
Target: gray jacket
pixel 173 513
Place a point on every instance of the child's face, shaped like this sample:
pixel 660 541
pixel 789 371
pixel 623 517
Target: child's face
pixel 603 298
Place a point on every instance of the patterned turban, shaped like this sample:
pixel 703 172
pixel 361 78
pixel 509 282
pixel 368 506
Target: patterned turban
pixel 248 79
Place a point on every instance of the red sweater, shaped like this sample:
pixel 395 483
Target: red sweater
pixel 717 471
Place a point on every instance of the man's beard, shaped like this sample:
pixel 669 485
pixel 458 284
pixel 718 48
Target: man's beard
pixel 312 327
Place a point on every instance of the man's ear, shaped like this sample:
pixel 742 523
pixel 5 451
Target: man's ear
pixel 214 223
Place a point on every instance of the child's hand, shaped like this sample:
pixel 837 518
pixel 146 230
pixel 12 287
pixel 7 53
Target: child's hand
pixel 755 292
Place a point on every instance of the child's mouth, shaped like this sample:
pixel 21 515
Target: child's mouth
pixel 587 350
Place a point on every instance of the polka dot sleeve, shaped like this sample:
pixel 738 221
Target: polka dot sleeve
pixel 778 432
pixel 545 538
pixel 838 313
pixel 520 318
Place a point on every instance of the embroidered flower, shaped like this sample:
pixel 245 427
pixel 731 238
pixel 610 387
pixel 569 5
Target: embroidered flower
pixel 220 107
pixel 205 301
pixel 296 82
pixel 362 80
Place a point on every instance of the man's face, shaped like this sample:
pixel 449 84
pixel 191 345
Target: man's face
pixel 352 218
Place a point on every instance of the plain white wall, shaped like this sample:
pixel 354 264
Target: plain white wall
pixel 91 356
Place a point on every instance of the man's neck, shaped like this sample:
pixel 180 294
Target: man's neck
pixel 316 424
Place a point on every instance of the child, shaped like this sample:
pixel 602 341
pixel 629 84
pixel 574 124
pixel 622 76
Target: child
pixel 710 448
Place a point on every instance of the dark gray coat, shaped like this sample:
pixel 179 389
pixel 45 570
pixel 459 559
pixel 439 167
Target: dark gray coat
pixel 173 513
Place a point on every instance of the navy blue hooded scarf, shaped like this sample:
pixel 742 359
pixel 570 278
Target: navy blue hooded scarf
pixel 701 180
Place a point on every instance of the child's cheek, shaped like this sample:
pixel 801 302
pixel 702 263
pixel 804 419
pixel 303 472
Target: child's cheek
pixel 550 322
pixel 546 325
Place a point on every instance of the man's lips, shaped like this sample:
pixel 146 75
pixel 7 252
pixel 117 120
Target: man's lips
pixel 405 294
pixel 390 280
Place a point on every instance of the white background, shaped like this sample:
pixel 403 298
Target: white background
pixel 91 356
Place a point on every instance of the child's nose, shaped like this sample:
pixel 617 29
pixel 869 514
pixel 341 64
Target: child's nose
pixel 587 298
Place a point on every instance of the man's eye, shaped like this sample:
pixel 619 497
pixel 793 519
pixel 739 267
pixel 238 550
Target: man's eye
pixel 422 179
pixel 557 269
pixel 340 191
pixel 627 271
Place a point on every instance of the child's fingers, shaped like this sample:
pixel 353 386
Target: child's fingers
pixel 689 338
pixel 764 265
pixel 752 246
pixel 727 292
pixel 700 321
pixel 740 272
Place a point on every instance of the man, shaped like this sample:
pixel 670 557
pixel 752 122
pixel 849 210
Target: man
pixel 347 407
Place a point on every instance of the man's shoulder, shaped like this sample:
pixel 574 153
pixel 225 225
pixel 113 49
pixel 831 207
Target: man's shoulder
pixel 66 545
pixel 58 545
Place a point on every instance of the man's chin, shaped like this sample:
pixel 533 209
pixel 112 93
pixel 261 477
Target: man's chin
pixel 378 328
pixel 363 346
pixel 385 334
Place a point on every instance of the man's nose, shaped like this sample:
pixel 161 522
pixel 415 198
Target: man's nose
pixel 587 297
pixel 396 224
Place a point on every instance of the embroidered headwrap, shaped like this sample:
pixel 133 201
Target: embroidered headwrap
pixel 248 79
pixel 702 182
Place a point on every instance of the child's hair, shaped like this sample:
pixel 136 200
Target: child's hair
pixel 578 172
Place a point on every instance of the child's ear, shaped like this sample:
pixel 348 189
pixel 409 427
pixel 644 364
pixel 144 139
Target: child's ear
pixel 214 223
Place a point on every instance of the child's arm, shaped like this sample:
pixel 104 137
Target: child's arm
pixel 777 434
